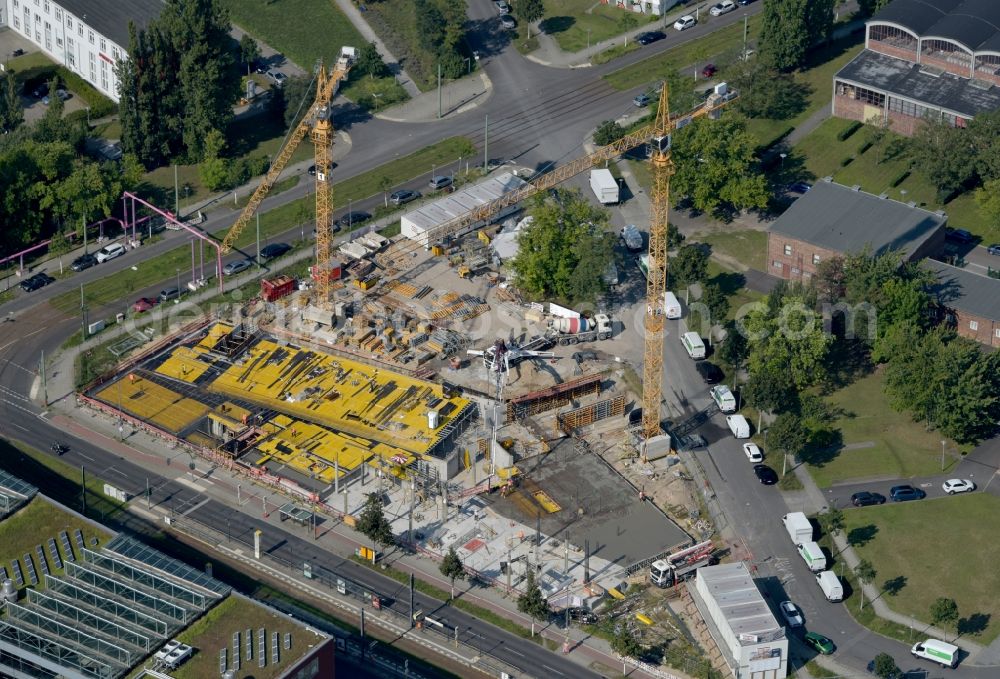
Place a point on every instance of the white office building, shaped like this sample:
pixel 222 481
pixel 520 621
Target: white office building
pixel 86 36
pixel 744 628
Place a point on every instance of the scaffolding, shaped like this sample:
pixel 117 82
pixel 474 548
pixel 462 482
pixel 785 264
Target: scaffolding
pixel 572 420
pixel 539 401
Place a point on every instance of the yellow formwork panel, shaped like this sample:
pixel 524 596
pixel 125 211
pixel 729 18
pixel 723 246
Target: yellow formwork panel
pixel 344 395
pixel 215 333
pixel 183 364
pixel 547 503
pixel 153 403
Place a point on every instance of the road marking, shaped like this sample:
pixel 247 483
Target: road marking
pixel 511 650
pixel 552 670
pixel 86 457
pixel 188 511
pixel 190 484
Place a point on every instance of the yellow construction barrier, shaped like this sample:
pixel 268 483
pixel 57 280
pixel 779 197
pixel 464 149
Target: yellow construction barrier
pixel 615 593
pixel 644 619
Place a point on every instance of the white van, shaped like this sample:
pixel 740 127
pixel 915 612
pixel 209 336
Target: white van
pixel 739 426
pixel 693 345
pixel 723 398
pixel 944 654
pixel 830 584
pixel 813 556
pixel 671 306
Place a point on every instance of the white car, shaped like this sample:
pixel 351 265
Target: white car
pixel 502 7
pixel 723 7
pixel 110 252
pixel 952 486
pixel 793 616
pixel 752 451
pixel 685 22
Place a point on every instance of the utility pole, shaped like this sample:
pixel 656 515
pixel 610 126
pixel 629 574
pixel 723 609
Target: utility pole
pixel 83 312
pixel 177 199
pixel 147 492
pixel 486 147
pixel 745 28
pixel 45 389
pixel 439 89
pixel 258 239
pixel 83 489
pixel 411 600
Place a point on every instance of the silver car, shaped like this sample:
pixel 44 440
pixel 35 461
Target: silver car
pixel 237 266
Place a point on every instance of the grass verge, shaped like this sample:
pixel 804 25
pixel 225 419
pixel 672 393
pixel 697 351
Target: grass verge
pixel 575 25
pixel 744 245
pixel 614 52
pixel 894 538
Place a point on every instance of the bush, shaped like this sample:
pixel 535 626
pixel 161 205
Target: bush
pixel 864 147
pixel 847 161
pixel 849 130
pixel 899 178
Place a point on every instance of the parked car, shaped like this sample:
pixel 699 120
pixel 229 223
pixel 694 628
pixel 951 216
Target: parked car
pixel 110 252
pixel 753 453
pixel 745 2
pixel 168 294
pixel 710 373
pixel 260 66
pixel 642 100
pixel 440 182
pixel 904 493
pixel 819 643
pixel 800 187
pixel 502 7
pixel 236 266
pixel 793 616
pixel 959 236
pixel 403 196
pixel 689 442
pixel 650 37
pixel 61 93
pixel 708 71
pixel 144 304
pixel 994 249
pixel 866 499
pixel 40 90
pixel 277 77
pixel 765 474
pixel 508 22
pixel 684 23
pixel 312 170
pixel 39 280
pixel 952 486
pixel 83 262
pixel 274 250
pixel 17 53
pixel 724 7
pixel 351 219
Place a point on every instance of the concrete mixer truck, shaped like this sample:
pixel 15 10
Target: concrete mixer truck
pixel 572 330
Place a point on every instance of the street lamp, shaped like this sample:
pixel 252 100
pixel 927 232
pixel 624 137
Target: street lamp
pixel 943 445
pixel 376 95
pixel 783 156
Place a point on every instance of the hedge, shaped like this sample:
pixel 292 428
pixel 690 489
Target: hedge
pixel 847 161
pixel 899 178
pixel 849 130
pixel 864 147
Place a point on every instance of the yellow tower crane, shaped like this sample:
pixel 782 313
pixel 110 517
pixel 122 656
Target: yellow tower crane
pixel 317 122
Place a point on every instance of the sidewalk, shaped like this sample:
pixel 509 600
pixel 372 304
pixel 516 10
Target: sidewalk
pixel 402 77
pixel 873 597
pixel 456 97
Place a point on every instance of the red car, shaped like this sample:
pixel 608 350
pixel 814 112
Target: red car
pixel 144 304
pixel 708 71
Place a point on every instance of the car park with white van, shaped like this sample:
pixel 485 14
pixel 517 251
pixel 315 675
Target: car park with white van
pixel 693 345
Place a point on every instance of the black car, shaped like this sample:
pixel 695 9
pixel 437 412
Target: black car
pixel 352 218
pixel 765 474
pixel 39 280
pixel 711 373
pixel 904 493
pixel 866 499
pixel 312 170
pixel 83 262
pixel 959 236
pixel 40 91
pixel 274 250
pixel 650 36
pixel 403 196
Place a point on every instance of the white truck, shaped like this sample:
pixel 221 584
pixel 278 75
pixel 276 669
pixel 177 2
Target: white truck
pixel 566 331
pixel 681 565
pixel 813 555
pixel 941 652
pixel 604 186
pixel 724 398
pixel 798 527
pixel 671 306
pixel 830 584
pixel 632 237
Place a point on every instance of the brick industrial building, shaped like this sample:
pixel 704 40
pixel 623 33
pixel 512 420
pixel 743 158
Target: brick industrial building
pixel 921 59
pixel 831 219
pixel 968 302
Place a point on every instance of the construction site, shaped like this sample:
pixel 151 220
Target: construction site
pixel 514 430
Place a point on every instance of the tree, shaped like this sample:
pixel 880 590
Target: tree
pixel 943 154
pixel 988 200
pixel 293 99
pixel 249 51
pixel 865 573
pixel 370 61
pixel 788 434
pixel 819 20
pixel 214 171
pixel 717 165
pixel 878 130
pixel 764 91
pixel 608 132
pixel 384 184
pixel 674 237
pixel 769 389
pixel 372 522
pixel 734 349
pixel 869 7
pixel 532 602
pixel 528 12
pixel 832 521
pixel 690 265
pixel 565 250
pixel 715 299
pixel 624 643
pixel 784 33
pixel 884 666
pixel 944 611
pixel 11 113
pixel 829 279
pixel 984 135
pixel 451 567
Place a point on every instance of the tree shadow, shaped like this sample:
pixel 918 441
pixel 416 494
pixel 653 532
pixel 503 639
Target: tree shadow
pixel 557 24
pixel 824 446
pixel 975 624
pixel 862 535
pixel 730 282
pixel 894 586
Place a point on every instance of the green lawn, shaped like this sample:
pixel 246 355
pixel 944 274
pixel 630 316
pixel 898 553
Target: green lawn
pixel 822 154
pixel 725 42
pixel 890 444
pixel 569 21
pixel 733 284
pixel 745 245
pixel 904 541
pixel 163 268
